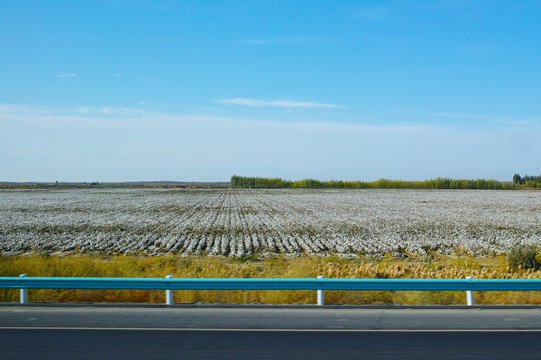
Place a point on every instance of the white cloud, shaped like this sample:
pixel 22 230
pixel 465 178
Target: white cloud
pixel 277 103
pixel 375 13
pixel 276 41
pixel 457 115
pixel 114 143
pixel 53 116
pixel 67 75
pixel 505 121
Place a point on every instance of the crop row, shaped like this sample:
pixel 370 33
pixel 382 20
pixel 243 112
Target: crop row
pixel 240 222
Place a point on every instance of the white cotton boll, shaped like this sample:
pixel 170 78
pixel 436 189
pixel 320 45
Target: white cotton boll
pixel 287 221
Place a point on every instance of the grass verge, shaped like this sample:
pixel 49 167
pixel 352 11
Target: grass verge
pixel 433 267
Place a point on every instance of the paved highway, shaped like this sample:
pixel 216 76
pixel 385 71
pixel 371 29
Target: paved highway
pixel 271 317
pixel 264 344
pixel 147 332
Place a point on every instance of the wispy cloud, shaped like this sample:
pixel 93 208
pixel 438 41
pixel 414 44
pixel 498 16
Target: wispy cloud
pixel 81 114
pixel 66 75
pixel 379 13
pixel 277 103
pixel 277 41
pixel 459 115
pixel 532 122
pixel 120 143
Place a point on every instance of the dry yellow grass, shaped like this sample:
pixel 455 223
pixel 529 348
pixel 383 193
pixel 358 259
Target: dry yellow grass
pixel 435 267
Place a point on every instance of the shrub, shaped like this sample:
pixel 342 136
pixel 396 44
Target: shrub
pixel 523 257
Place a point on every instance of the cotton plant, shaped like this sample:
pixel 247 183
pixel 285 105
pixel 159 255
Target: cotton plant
pixel 241 222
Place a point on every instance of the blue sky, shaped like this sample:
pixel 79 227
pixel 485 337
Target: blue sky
pixel 202 90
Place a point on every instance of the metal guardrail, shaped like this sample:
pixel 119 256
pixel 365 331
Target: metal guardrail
pixel 320 284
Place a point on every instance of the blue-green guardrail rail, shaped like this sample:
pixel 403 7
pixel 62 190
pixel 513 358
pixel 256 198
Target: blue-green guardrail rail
pixel 169 284
pixel 269 284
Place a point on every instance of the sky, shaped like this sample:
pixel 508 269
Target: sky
pixel 202 90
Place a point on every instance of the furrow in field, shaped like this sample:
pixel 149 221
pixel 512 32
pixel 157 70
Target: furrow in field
pixel 184 206
pixel 245 229
pixel 202 222
pixel 239 222
pixel 217 229
pixel 273 218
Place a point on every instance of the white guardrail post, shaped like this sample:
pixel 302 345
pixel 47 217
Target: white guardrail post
pixel 169 299
pixel 23 297
pixel 321 294
pixel 469 295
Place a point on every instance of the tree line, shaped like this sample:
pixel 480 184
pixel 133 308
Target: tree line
pixel 438 183
pixel 529 181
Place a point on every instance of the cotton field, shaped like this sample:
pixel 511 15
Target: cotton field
pixel 243 222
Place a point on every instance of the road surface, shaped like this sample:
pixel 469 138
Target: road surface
pixel 146 332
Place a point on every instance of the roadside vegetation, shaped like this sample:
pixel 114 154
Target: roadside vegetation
pixel 515 265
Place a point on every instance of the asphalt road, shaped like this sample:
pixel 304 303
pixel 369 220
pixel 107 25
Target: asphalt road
pixel 273 317
pixel 119 332
pixel 264 344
